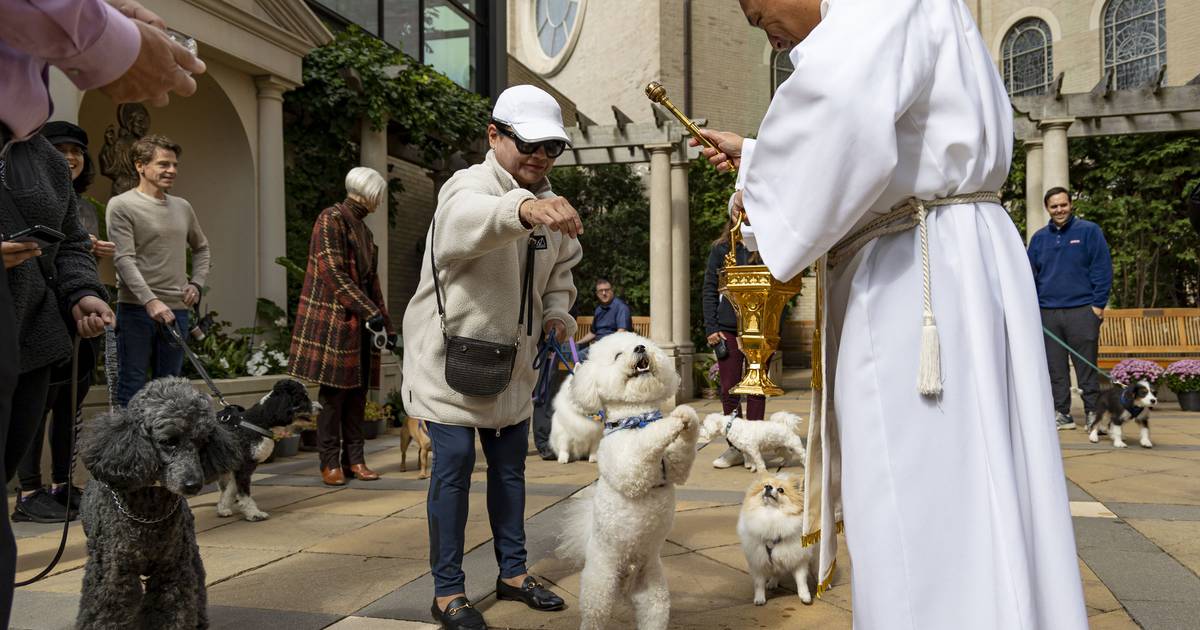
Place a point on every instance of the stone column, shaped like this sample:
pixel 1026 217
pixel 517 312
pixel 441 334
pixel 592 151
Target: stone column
pixel 660 246
pixel 272 216
pixel 1035 210
pixel 1055 159
pixel 374 154
pixel 681 299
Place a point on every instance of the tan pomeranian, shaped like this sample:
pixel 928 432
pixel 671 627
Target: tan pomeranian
pixel 771 527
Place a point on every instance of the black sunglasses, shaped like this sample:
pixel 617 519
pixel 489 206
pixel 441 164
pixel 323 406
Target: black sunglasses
pixel 553 148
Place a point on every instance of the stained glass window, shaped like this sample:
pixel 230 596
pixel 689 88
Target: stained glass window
pixel 1135 41
pixel 1028 58
pixel 781 69
pixel 554 20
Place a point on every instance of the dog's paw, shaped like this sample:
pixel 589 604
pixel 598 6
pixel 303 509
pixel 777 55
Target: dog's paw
pixel 805 596
pixel 1146 443
pixel 760 599
pixel 256 516
pixel 592 458
pixel 564 458
pixel 224 511
pixel 1093 438
pixel 1119 444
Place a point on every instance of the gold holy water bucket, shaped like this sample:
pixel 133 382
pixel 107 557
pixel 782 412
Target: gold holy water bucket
pixel 756 296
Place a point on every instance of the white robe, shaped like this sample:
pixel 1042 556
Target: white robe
pixel 955 508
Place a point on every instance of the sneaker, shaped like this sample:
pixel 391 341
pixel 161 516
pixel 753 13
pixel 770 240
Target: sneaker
pixel 1091 422
pixel 39 506
pixel 731 457
pixel 1064 421
pixel 60 495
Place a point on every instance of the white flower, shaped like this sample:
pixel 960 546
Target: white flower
pixel 257 370
pixel 282 321
pixel 223 363
pixel 279 357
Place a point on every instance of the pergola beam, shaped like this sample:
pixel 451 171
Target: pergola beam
pixel 1103 112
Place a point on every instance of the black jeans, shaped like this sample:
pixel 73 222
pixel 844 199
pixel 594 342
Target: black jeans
pixel 1080 328
pixel 340 426
pixel 62 425
pixel 543 413
pixel 446 503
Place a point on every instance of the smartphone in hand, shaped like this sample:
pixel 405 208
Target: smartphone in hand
pixel 40 234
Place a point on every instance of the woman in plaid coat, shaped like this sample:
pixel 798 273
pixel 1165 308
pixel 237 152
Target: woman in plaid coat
pixel 330 342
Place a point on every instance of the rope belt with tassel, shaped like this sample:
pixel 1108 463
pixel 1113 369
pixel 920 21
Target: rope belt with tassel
pixel 905 216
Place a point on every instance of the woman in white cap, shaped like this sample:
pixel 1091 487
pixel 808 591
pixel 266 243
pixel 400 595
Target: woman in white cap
pixel 497 276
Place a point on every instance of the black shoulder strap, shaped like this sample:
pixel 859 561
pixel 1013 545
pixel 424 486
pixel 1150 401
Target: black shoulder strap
pixel 526 285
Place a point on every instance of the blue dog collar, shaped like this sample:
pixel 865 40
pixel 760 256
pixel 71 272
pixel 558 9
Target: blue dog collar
pixel 633 422
pixel 1127 403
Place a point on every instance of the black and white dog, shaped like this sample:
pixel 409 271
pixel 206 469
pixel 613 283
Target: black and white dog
pixel 287 401
pixel 1121 404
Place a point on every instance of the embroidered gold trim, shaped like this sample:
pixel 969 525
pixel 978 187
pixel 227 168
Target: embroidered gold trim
pixel 825 583
pixel 815 537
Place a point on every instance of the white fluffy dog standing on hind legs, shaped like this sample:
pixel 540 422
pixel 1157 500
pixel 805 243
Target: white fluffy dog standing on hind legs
pixel 619 532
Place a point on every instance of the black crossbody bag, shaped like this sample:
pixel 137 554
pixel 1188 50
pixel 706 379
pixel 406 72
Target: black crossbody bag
pixel 475 367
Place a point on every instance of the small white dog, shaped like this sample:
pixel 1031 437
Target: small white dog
pixel 619 532
pixel 771 526
pixel 574 432
pixel 754 438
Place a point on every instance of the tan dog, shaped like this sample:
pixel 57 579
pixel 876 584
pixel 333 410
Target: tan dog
pixel 414 429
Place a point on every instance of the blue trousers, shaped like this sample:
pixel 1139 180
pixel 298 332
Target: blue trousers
pixel 142 341
pixel 450 483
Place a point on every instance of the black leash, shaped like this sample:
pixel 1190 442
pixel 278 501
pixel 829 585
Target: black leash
pixel 78 416
pixel 228 413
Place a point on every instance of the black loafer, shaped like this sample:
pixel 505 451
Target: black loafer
pixel 459 615
pixel 532 592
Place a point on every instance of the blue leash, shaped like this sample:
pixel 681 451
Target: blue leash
pixel 1077 355
pixel 547 359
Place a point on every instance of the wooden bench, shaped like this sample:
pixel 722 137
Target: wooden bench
pixel 641 326
pixel 1162 335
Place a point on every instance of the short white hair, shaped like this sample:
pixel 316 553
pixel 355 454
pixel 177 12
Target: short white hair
pixel 366 183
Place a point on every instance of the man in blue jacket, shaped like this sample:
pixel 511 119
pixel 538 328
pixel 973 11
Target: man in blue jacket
pixel 1072 269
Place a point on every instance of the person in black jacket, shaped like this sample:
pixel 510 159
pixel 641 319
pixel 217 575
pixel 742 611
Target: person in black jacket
pixel 720 324
pixel 50 289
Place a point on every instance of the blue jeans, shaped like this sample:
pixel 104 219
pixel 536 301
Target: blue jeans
pixel 446 504
pixel 141 340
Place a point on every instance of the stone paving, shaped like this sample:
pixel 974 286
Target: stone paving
pixel 356 558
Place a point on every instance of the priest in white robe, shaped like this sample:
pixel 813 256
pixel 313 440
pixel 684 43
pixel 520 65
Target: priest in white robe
pixel 952 492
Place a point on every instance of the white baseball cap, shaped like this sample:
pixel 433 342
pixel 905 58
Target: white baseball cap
pixel 532 113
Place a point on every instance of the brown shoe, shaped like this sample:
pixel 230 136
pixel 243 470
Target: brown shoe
pixel 333 477
pixel 362 473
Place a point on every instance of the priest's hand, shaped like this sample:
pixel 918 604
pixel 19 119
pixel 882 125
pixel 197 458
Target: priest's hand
pixel 727 155
pixel 555 213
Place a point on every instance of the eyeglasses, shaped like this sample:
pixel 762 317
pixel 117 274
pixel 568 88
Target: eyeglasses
pixel 553 148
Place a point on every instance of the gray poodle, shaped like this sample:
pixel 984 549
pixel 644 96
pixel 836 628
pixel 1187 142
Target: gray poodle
pixel 143 566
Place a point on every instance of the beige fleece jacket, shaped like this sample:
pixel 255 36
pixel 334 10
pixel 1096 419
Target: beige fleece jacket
pixel 480 248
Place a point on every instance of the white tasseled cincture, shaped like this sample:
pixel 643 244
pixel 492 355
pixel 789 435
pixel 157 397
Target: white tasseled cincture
pixel 911 213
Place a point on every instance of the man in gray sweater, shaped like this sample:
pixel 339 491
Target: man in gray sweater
pixel 153 231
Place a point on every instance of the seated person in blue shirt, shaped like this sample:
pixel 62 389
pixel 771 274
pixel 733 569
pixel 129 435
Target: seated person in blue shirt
pixel 612 315
pixel 1072 269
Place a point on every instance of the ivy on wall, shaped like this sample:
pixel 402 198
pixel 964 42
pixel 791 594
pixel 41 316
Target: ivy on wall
pixel 355 77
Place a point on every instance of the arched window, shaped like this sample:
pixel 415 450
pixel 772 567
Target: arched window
pixel 781 68
pixel 1135 41
pixel 1028 58
pixel 555 21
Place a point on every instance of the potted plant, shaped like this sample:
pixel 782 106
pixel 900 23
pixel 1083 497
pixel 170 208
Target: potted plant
pixel 287 443
pixel 1134 370
pixel 308 434
pixel 395 402
pixel 1183 377
pixel 707 381
pixel 373 418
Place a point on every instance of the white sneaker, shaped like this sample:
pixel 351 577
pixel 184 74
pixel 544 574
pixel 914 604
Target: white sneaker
pixel 731 457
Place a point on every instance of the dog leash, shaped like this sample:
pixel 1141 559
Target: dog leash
pixel 77 415
pixel 1077 355
pixel 228 412
pixel 546 361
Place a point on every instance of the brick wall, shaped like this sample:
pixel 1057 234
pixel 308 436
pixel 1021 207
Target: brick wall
pixel 406 236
